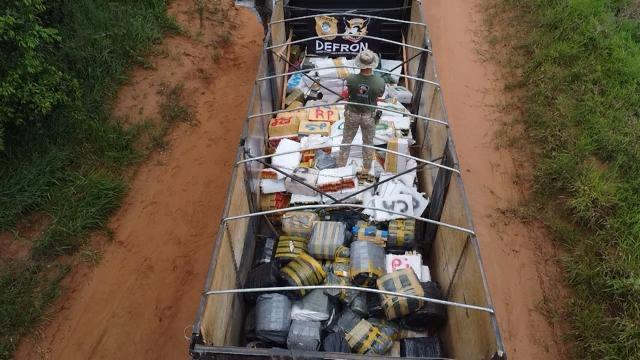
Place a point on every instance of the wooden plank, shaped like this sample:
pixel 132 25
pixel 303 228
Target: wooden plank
pixel 278 36
pixel 469 334
pixel 237 229
pixel 286 78
pixel 404 66
pixel 217 313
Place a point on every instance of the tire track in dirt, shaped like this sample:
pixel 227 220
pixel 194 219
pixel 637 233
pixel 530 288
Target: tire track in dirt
pixel 137 302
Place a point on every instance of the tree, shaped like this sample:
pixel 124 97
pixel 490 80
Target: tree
pixel 31 85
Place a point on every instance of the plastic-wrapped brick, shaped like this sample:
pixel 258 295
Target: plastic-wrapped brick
pixel 273 318
pixel 304 270
pixel 365 338
pixel 304 335
pixel 289 247
pixel 315 306
pixel 402 234
pixel 348 320
pixel 327 236
pixel 431 316
pixel 422 347
pixel 299 223
pixel 265 275
pixel 336 342
pixel 367 263
pixel 402 281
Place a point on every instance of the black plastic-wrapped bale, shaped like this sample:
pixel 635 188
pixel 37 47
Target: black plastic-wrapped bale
pixel 359 305
pixel 374 305
pixel 431 316
pixel 304 335
pixel 421 347
pixel 365 338
pixel 273 318
pixel 336 342
pixel 263 276
pixel 250 325
pixel 303 271
pixel 367 263
pixel 265 249
pixel 387 327
pixel 402 281
pixel 348 320
pixel 315 306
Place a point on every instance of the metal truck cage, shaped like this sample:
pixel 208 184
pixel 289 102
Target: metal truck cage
pixel 449 244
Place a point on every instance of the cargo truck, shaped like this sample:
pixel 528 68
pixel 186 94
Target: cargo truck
pixel 446 239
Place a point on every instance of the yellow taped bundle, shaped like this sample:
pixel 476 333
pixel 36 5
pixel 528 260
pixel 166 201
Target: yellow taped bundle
pixel 304 270
pixel 289 247
pixel 402 281
pixel 365 232
pixel 402 233
pixel 341 261
pixel 365 338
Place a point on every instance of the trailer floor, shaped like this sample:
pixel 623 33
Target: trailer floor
pixel 137 302
pixel 519 258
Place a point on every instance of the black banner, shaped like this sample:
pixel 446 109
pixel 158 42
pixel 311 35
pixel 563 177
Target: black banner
pixel 342 35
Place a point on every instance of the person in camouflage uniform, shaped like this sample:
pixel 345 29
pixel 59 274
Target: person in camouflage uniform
pixel 364 88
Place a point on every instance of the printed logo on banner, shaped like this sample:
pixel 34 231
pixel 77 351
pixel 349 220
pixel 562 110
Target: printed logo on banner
pixel 327 25
pixel 355 29
pixel 350 43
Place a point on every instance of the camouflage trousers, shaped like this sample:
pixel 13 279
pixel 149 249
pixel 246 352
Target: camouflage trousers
pixel 353 121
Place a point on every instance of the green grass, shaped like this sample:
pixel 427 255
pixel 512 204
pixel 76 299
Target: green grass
pixel 574 67
pixel 71 166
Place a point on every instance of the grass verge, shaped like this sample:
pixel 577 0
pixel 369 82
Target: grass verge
pixel 71 166
pixel 574 70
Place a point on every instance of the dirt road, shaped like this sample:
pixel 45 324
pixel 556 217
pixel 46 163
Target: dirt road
pixel 137 302
pixel 516 255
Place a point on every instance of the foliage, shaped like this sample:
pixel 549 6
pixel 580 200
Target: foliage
pixel 577 67
pixel 64 155
pixel 30 86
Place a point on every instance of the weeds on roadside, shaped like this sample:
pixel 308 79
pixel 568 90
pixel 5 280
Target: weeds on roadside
pixel 574 68
pixel 70 167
